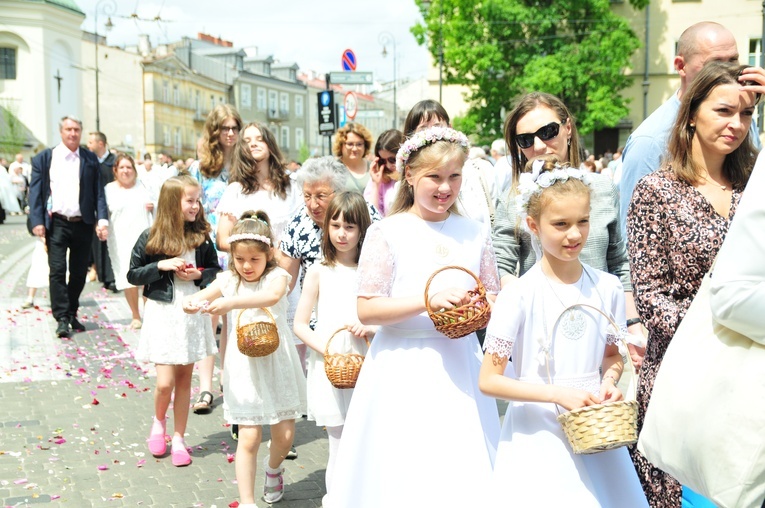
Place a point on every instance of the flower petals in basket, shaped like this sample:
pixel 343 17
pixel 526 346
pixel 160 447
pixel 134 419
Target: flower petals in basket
pixel 342 369
pixel 259 338
pixel 594 429
pixel 463 320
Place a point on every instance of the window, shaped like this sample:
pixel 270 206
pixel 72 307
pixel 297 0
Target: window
pixel 273 97
pixel 285 144
pixel 165 92
pixel 178 140
pixel 7 63
pixel 166 135
pixel 298 108
pixel 197 104
pixel 299 138
pixel 176 95
pixel 262 99
pixel 754 52
pixel 284 103
pixel 246 91
pixel 212 102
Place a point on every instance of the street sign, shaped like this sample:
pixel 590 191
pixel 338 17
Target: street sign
pixel 326 103
pixel 348 60
pixel 350 78
pixel 351 104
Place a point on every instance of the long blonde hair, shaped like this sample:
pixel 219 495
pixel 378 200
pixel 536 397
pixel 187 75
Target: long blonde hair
pixel 210 152
pixel 171 234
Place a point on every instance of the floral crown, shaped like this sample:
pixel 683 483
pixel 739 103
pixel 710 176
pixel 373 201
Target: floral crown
pixel 427 137
pixel 249 236
pixel 530 184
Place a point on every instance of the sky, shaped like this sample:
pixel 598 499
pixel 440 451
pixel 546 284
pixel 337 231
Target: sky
pixel 312 33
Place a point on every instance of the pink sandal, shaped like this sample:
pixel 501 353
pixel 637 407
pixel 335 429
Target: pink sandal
pixel 276 493
pixel 180 455
pixel 157 443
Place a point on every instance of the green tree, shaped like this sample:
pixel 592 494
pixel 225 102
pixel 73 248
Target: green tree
pixel 12 135
pixel 501 49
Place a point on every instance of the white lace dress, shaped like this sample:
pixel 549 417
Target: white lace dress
pixel 335 308
pixel 128 218
pixel 535 465
pixel 265 390
pixel 169 335
pixel 418 432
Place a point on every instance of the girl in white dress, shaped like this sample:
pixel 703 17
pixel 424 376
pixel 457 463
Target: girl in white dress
pixel 418 432
pixel 535 465
pixel 130 213
pixel 330 287
pixel 172 260
pixel 268 390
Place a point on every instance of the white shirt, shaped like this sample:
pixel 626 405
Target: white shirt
pixel 65 181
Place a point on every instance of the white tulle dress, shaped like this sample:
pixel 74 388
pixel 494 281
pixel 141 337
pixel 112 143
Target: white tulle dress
pixel 128 218
pixel 418 432
pixel 335 308
pixel 268 389
pixel 535 465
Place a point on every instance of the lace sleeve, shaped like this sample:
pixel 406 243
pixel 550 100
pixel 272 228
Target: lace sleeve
pixel 499 346
pixel 489 274
pixel 376 265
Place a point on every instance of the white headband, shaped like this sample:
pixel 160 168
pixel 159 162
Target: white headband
pixel 249 236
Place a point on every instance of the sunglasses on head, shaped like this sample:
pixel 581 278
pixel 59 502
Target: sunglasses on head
pixel 545 133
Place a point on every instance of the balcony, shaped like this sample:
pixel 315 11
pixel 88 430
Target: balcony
pixel 278 114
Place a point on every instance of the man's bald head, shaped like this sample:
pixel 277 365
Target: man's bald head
pixel 702 43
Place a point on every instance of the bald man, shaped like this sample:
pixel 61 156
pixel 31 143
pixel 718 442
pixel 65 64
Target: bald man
pixel 698 44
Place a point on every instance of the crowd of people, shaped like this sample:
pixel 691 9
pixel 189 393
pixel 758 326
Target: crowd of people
pixel 342 249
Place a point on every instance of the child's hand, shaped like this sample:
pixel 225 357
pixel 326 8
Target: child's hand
pixel 449 298
pixel 361 331
pixel 218 306
pixel 192 305
pixel 609 392
pixel 171 265
pixel 572 398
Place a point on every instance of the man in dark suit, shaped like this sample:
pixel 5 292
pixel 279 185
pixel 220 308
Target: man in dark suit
pixel 100 251
pixel 66 203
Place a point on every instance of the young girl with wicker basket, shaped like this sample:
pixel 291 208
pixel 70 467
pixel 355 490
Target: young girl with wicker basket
pixel 558 355
pixel 263 383
pixel 171 260
pixel 418 432
pixel 330 288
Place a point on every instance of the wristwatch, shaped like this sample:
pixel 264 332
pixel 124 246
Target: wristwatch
pixel 633 321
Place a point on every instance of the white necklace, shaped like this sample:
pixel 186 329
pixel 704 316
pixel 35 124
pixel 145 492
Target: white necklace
pixel 572 321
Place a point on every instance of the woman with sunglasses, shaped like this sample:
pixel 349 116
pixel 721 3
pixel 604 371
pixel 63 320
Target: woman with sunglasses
pixel 381 189
pixel 540 124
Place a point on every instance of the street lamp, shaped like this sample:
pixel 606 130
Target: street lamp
pixel 386 38
pixel 108 8
pixel 427 4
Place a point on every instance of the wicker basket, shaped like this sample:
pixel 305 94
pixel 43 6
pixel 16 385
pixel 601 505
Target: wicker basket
pixel 463 320
pixel 594 429
pixel 342 369
pixel 259 338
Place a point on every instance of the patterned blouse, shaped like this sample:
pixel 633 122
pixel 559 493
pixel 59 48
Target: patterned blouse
pixel 674 234
pixel 212 191
pixel 302 239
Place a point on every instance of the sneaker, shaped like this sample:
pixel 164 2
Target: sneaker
pixel 275 493
pixel 292 454
pixel 235 432
pixel 28 304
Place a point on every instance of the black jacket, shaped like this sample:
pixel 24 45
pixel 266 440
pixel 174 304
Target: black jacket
pixel 158 285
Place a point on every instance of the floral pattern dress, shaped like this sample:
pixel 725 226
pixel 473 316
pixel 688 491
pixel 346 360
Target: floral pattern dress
pixel 212 190
pixel 674 234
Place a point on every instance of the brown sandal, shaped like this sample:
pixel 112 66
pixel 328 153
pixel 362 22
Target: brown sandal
pixel 204 403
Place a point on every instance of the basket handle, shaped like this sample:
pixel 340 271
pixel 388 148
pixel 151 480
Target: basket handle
pixel 611 321
pixel 326 348
pixel 264 309
pixel 479 284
